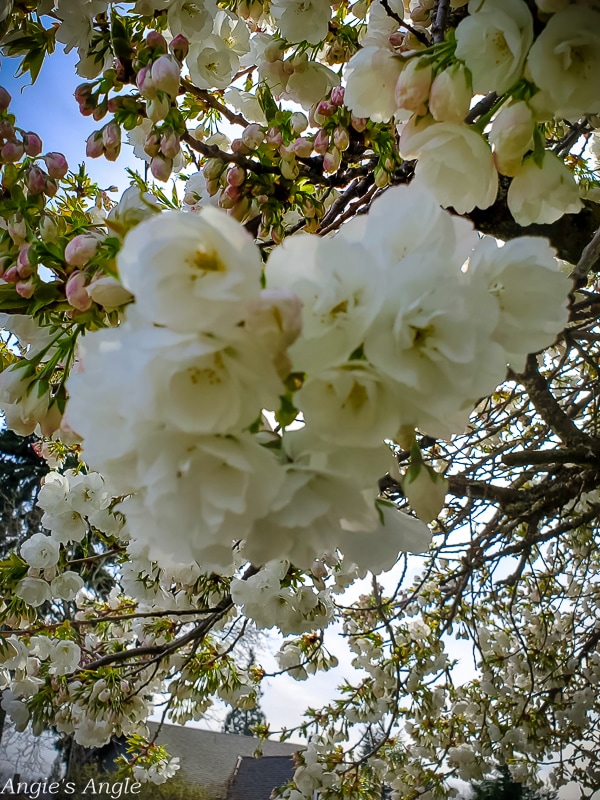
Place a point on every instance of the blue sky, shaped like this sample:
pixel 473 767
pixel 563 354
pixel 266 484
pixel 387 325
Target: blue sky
pixel 49 108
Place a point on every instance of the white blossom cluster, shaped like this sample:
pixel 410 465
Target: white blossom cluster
pixel 495 50
pixel 402 320
pixel 72 502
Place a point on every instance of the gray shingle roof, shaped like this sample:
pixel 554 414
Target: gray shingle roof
pixel 255 778
pixel 208 759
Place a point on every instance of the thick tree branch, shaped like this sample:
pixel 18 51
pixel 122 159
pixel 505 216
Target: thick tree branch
pixel 569 235
pixel 440 21
pixel 590 260
pixel 549 409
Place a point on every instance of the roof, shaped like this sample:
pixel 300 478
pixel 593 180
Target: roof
pixel 255 778
pixel 208 759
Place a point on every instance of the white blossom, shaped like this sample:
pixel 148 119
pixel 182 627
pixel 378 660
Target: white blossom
pixel 191 273
pixel 455 163
pixel 371 76
pixel 40 551
pixel 542 194
pixel 564 62
pixel 302 20
pixel 212 64
pixel 493 41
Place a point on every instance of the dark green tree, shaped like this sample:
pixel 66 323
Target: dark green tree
pixel 503 787
pixel 21 470
pixel 244 721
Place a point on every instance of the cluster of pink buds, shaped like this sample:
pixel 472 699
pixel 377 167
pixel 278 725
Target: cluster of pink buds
pixel 162 145
pixel 16 144
pixel 105 142
pixel 21 271
pixel 332 138
pixel 158 80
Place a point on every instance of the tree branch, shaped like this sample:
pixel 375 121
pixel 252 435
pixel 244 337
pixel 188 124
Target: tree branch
pixel 548 408
pixel 210 101
pixel 440 20
pixel 590 260
pixel 419 35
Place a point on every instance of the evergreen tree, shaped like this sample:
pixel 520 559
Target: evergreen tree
pixel 503 787
pixel 244 721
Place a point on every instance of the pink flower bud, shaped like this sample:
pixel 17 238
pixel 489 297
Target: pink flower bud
pixel 120 71
pixel 24 264
pixel 289 169
pixel 212 187
pixel 331 160
pixel 337 95
pixel 50 187
pixel 100 111
pixel 76 293
pixel 169 145
pixel 111 135
pixel 35 180
pixel 413 86
pixel 239 146
pixel 302 147
pixel 397 40
pixel 25 288
pixel 12 151
pixel 308 208
pixel 321 142
pixel 93 146
pixel 232 192
pixel 340 138
pixel 108 292
pixel 48 229
pixel 277 233
pixel 359 123
pixel 325 108
pixel 179 47
pixel 111 139
pixel 298 122
pixel 156 41
pixel 56 164
pixel 81 249
pixel 152 144
pixel 161 168
pixel 236 176
pixel 319 570
pixel 145 83
pixel 33 144
pixel 5 99
pixel 227 202
pixel 253 136
pixel 114 104
pixel 17 229
pixel 157 108
pixel 274 137
pixel 212 169
pixel 11 275
pixel 83 92
pixel 166 75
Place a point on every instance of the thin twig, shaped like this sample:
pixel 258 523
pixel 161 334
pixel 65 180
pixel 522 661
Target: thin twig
pixel 419 35
pixel 571 137
pixel 212 102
